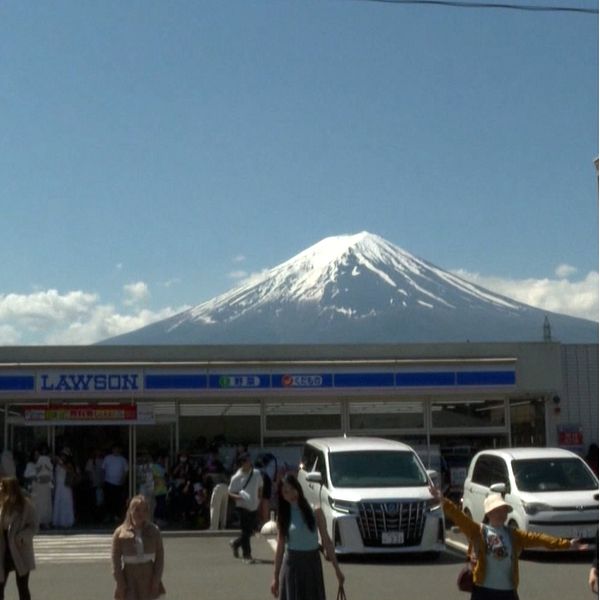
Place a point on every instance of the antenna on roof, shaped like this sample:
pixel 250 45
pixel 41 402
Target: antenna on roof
pixel 547 330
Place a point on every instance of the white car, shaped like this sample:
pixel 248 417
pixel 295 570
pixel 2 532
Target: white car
pixel 374 495
pixel 551 490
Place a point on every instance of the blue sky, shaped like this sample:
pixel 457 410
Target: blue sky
pixel 152 154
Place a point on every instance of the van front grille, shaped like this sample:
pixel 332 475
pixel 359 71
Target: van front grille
pixel 377 518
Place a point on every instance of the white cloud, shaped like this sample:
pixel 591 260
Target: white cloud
pixel 237 274
pixel 246 278
pixel 256 277
pixel 76 317
pixel 239 258
pixel 574 298
pixel 9 336
pixel 105 322
pixel 171 282
pixel 135 293
pixel 43 307
pixel 565 271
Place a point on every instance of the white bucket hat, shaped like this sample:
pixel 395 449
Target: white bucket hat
pixel 494 501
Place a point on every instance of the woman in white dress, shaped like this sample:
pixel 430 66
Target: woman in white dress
pixel 29 473
pixel 41 491
pixel 63 515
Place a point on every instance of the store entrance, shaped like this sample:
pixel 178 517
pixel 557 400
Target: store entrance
pixel 88 445
pixel 84 441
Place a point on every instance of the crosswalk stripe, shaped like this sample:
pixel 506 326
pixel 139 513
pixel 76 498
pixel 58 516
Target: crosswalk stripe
pixel 72 548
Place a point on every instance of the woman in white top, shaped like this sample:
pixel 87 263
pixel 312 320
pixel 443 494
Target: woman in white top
pixel 137 555
pixel 41 490
pixel 63 515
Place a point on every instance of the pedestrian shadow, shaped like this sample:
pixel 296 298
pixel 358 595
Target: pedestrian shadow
pixel 580 557
pixel 263 561
pixel 444 558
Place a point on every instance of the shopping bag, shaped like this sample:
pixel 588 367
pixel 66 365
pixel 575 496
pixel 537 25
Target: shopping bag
pixel 464 581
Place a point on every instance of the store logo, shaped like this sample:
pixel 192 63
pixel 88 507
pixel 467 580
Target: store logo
pixel 302 380
pixel 239 381
pixel 69 382
pixel 392 509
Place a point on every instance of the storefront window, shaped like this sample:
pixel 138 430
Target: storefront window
pixel 468 414
pixel 296 417
pixel 527 422
pixel 155 439
pixel 386 415
pixel 231 423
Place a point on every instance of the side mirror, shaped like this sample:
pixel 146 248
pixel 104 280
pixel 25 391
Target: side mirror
pixel 498 488
pixel 435 477
pixel 314 477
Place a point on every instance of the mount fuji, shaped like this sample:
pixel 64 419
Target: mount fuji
pixel 358 289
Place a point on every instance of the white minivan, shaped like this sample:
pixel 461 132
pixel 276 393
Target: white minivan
pixel 551 490
pixel 374 495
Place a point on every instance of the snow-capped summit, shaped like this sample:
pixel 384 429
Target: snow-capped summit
pixel 358 289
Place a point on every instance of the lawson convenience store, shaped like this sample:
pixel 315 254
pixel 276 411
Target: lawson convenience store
pixel 443 398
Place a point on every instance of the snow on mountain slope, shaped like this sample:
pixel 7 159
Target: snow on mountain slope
pixel 353 289
pixel 336 270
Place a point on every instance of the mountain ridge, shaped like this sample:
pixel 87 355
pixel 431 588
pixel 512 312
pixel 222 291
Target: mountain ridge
pixel 358 288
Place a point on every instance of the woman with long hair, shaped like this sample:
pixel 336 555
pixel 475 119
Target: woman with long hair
pixel 137 555
pixel 298 570
pixel 19 524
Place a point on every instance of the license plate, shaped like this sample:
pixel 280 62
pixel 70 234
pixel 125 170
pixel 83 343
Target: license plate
pixel 392 537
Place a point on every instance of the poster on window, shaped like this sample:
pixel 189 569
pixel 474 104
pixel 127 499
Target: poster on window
pixel 89 414
pixel 570 437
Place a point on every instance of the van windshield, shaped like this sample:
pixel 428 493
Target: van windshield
pixel 552 475
pixel 374 468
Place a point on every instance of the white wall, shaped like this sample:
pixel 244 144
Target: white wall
pixel 579 397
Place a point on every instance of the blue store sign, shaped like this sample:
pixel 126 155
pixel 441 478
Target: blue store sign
pixel 77 382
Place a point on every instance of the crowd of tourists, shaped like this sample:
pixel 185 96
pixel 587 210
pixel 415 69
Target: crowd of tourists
pixel 85 491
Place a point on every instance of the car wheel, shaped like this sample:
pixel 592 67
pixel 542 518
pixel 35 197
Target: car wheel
pixel 513 524
pixel 468 513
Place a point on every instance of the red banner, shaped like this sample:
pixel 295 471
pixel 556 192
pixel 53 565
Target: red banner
pixel 78 413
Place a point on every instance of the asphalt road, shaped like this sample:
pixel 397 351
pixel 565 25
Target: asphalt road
pixel 198 567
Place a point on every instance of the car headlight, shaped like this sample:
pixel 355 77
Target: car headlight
pixel 343 506
pixel 532 508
